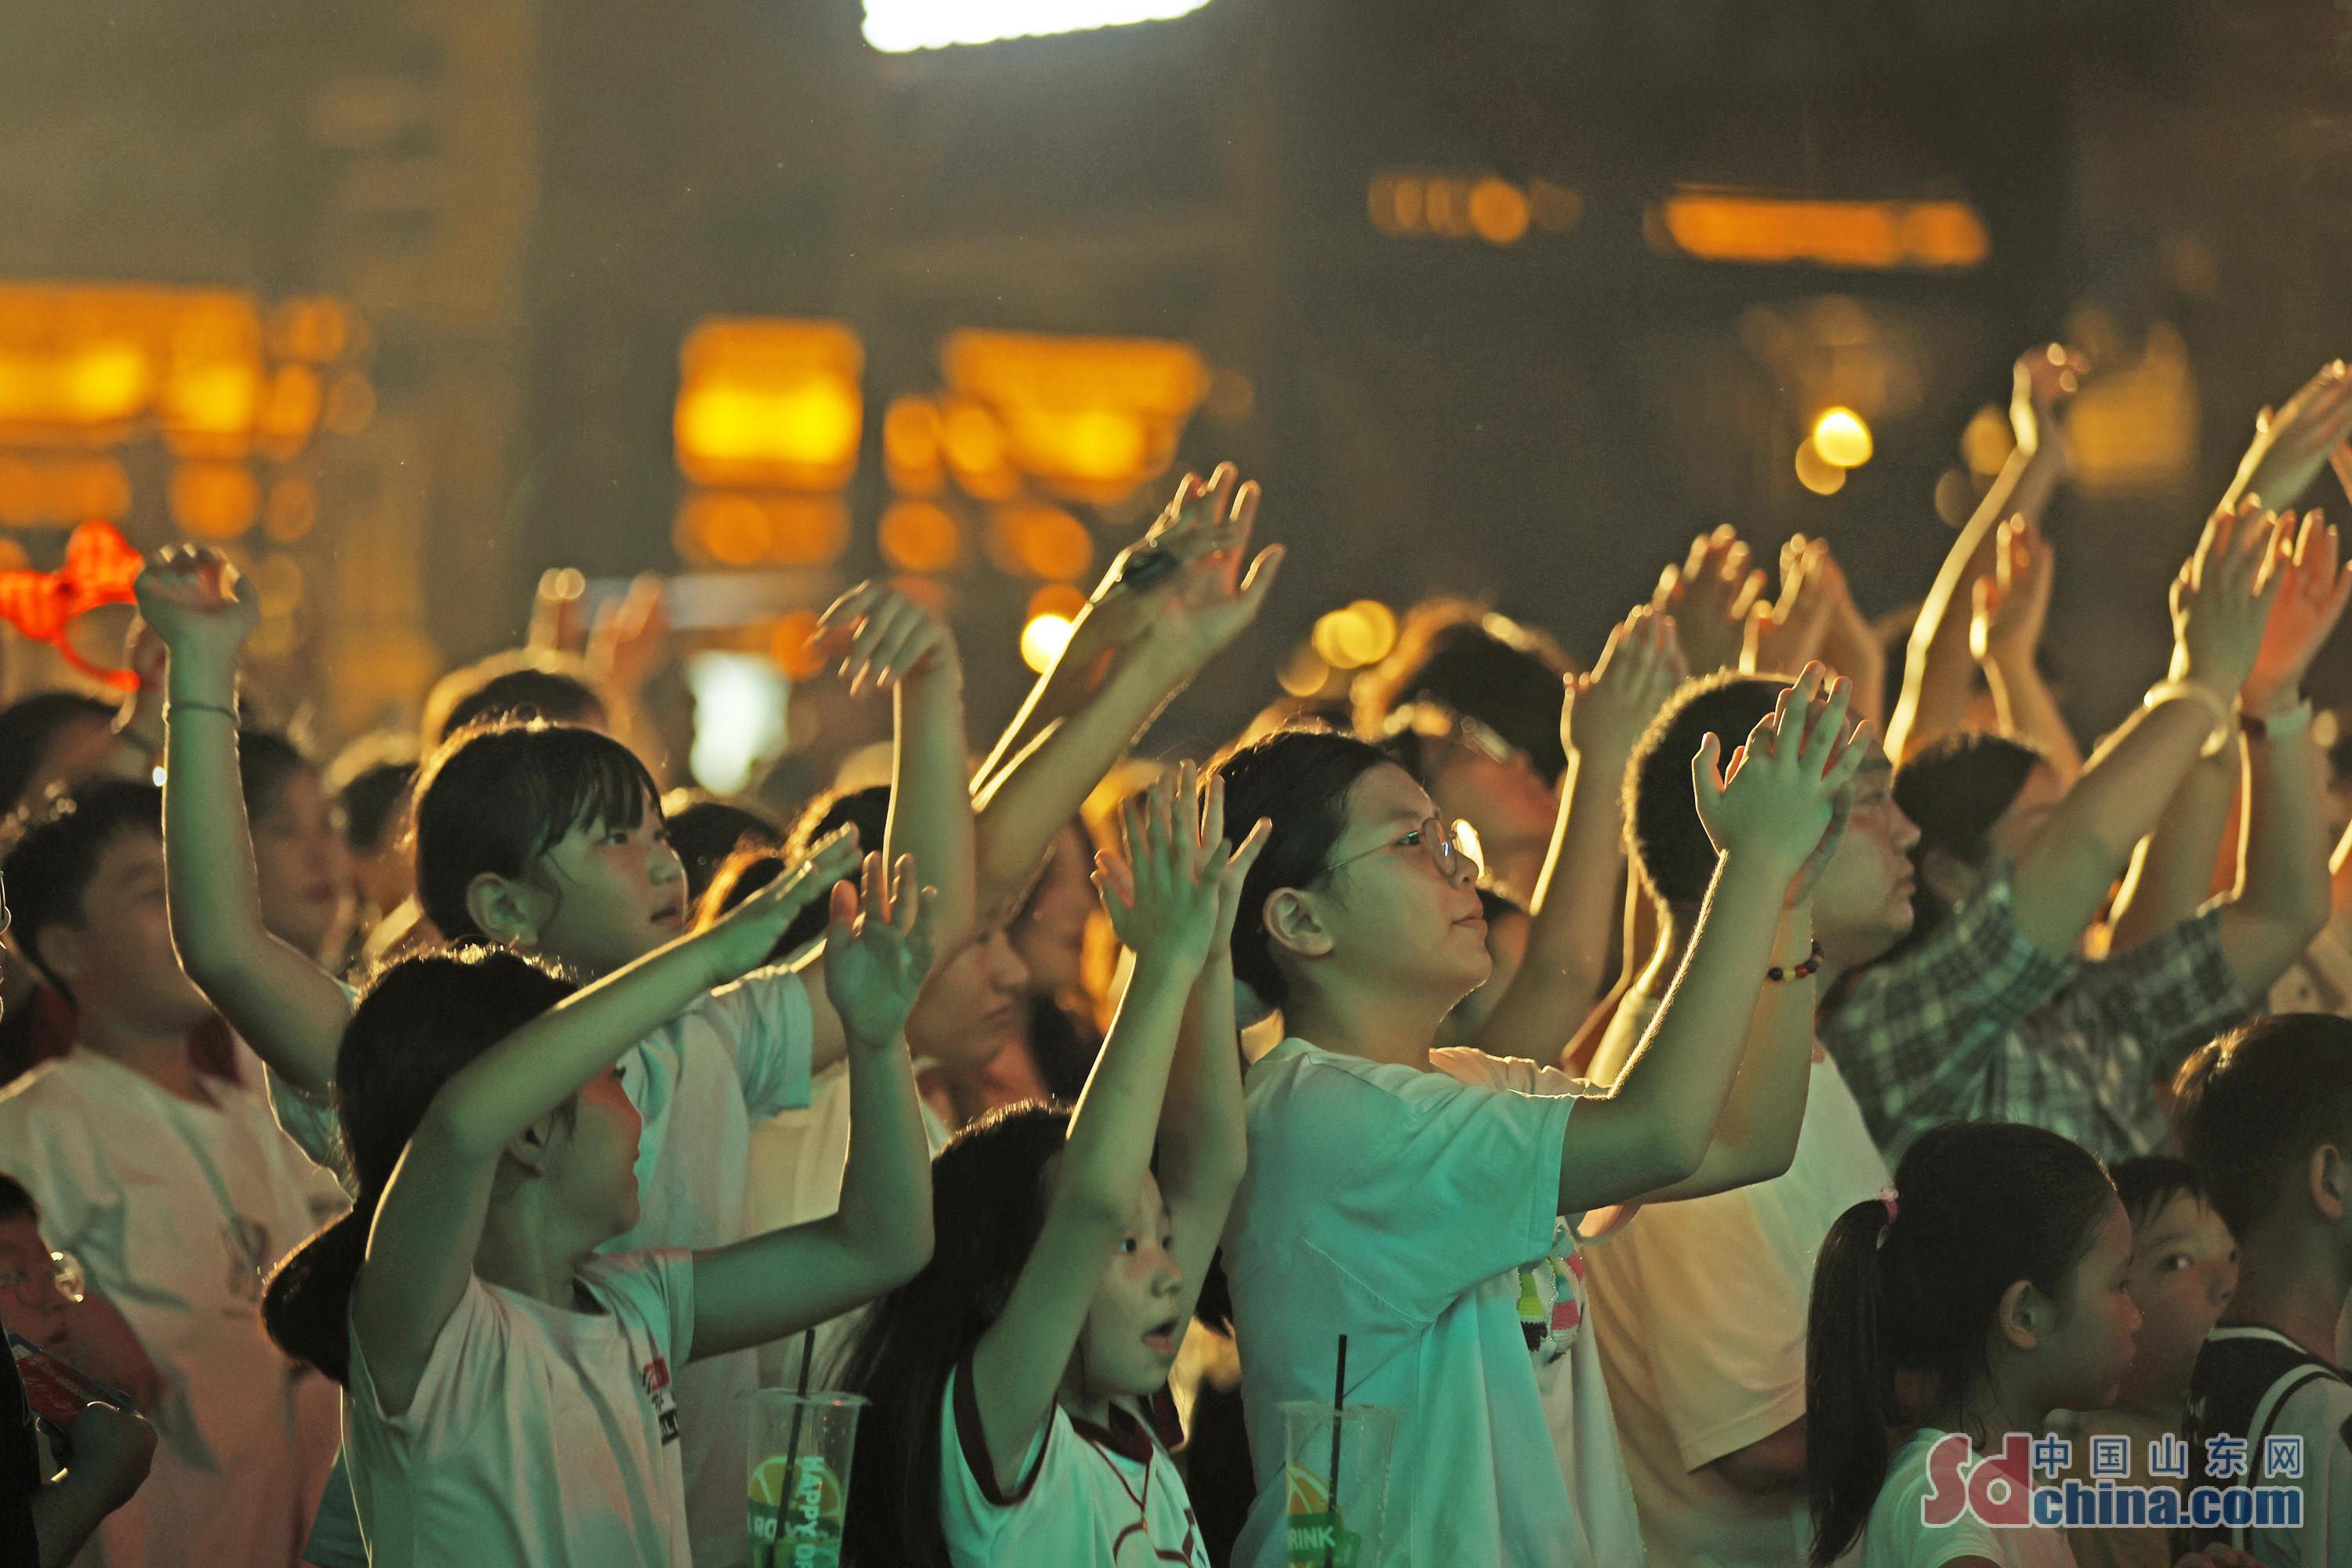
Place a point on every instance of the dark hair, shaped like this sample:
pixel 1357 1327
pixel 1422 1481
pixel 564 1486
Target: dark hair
pixel 370 779
pixel 54 852
pixel 267 760
pixel 2146 1182
pixel 15 1203
pixel 497 796
pixel 866 810
pixel 28 727
pixel 1298 780
pixel 1955 790
pixel 518 684
pixel 420 1021
pixel 1465 657
pixel 1664 838
pixel 988 1207
pixel 2252 1106
pixel 1903 1305
pixel 705 829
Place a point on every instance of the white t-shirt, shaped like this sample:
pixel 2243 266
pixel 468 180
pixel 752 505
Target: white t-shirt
pixel 796 1163
pixel 1700 1313
pixel 178 1211
pixel 1894 1536
pixel 737 1055
pixel 1417 1213
pixel 538 1438
pixel 1106 1498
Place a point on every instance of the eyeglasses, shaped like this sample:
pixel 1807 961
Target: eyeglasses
pixel 65 1272
pixel 1447 845
pixel 1427 719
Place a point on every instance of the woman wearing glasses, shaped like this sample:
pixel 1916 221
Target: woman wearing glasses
pixel 1418 1199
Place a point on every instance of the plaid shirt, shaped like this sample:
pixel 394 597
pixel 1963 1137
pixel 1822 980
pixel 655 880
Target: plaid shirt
pixel 1976 1023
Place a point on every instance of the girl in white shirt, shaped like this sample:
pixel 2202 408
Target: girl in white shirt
pixel 1016 1380
pixel 1418 1200
pixel 508 1390
pixel 1950 1316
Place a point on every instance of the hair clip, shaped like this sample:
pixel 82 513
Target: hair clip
pixel 1886 1195
pixel 100 566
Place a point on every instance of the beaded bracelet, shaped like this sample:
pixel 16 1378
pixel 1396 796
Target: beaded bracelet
pixel 174 705
pixel 1804 971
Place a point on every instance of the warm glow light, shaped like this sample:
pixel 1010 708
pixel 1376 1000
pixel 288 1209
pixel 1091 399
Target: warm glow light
pixel 897 26
pixel 1841 437
pixel 1043 640
pixel 1304 673
pixel 1987 442
pixel 1736 226
pixel 1816 473
pixel 1090 418
pixel 920 536
pixel 1039 542
pixel 1357 634
pixel 793 646
pixel 218 500
pixel 1497 211
pixel 769 403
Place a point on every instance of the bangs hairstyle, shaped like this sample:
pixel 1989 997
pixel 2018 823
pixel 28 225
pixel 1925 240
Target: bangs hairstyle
pixel 53 854
pixel 2252 1106
pixel 499 796
pixel 2147 1182
pixel 419 1023
pixel 1299 780
pixel 989 1194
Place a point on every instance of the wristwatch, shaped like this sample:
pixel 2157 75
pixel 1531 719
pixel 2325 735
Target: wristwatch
pixel 2277 726
pixel 1146 566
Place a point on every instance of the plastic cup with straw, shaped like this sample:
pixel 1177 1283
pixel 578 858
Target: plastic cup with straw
pixel 1338 1430
pixel 764 1554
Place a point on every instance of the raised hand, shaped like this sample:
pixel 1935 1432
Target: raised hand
pixel 1163 894
pixel 2013 601
pixel 2313 586
pixel 201 606
pixel 1609 706
pixel 630 640
pixel 743 940
pixel 2292 444
pixel 1709 596
pixel 1777 795
pixel 1788 632
pixel 2042 378
pixel 1182 585
pixel 2221 599
pixel 877 950
pixel 886 637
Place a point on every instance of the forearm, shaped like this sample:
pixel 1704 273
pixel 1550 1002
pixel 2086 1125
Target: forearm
pixel 2171 873
pixel 1024 805
pixel 930 797
pixel 65 1513
pixel 285 1006
pixel 2029 711
pixel 885 1186
pixel 1575 906
pixel 2283 887
pixel 1757 1138
pixel 1112 1127
pixel 1203 1148
pixel 1075 675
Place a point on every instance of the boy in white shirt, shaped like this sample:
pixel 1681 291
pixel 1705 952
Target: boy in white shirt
pixel 1700 1305
pixel 176 1189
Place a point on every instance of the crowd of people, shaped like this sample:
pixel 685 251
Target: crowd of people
pixel 1766 1097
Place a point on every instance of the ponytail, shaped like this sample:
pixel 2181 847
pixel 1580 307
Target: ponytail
pixel 421 1021
pixel 1849 1405
pixel 306 1306
pixel 1907 1289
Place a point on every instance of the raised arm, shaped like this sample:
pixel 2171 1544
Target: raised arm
pixel 1852 646
pixel 2220 604
pixel 428 1220
pixel 2173 872
pixel 2011 605
pixel 1203 1148
pixel 1939 675
pixel 1767 814
pixel 1198 601
pixel 1710 595
pixel 2293 443
pixel 1575 902
pixel 1099 1180
pixel 770 1285
pixel 287 1008
pixel 2282 898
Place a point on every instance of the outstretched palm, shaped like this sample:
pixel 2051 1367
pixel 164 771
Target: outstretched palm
pixel 876 953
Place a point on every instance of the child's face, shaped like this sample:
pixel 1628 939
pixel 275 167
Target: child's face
pixel 119 960
pixel 971 1006
pixel 2184 1267
pixel 304 864
pixel 618 893
pixel 30 1302
pixel 1138 1318
pixel 2082 1361
pixel 595 1165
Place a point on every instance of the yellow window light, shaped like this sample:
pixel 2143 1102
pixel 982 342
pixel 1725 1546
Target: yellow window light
pixel 218 500
pixel 1091 418
pixel 1356 634
pixel 1039 542
pixel 1498 212
pixel 1841 437
pixel 1734 226
pixel 1043 640
pixel 920 536
pixel 770 402
pixel 1056 599
pixel 1816 473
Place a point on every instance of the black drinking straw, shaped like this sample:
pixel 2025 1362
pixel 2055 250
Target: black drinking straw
pixel 792 1442
pixel 1339 1429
